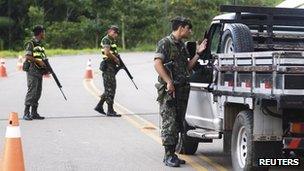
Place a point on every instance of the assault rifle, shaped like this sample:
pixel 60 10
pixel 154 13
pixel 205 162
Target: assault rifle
pixel 50 69
pixel 123 66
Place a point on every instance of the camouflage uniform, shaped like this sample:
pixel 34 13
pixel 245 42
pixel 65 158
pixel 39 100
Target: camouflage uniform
pixel 34 75
pixel 109 80
pixel 172 110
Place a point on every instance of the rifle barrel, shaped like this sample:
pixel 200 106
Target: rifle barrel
pixel 134 84
pixel 127 71
pixel 63 94
pixel 54 76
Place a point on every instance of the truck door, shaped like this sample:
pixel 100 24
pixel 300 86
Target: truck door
pixel 201 110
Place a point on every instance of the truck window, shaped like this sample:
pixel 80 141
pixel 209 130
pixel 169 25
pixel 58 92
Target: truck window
pixel 215 40
pixel 203 73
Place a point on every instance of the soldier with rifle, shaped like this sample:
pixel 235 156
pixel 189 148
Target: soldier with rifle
pixel 35 65
pixel 110 65
pixel 173 84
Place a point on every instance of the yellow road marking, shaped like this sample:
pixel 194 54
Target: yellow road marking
pixel 215 165
pixel 90 86
pixel 155 137
pixel 206 159
pixel 97 91
pixel 87 87
pixel 148 123
pixel 94 87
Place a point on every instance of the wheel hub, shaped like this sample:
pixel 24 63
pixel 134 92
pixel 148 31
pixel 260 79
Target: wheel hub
pixel 242 147
pixel 229 46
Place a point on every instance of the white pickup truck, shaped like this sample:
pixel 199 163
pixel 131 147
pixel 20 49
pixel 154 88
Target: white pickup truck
pixel 249 88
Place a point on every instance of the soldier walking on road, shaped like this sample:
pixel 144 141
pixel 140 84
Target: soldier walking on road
pixel 109 70
pixel 35 68
pixel 173 87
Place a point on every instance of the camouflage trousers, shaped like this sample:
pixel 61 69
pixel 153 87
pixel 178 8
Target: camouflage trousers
pixel 172 110
pixel 109 82
pixel 34 89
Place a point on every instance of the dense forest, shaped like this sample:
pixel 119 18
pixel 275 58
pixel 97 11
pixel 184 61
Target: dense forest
pixel 78 24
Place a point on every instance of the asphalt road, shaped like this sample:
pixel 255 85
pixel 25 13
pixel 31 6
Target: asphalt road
pixel 74 137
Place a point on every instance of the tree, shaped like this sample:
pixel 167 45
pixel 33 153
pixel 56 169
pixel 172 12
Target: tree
pixel 81 23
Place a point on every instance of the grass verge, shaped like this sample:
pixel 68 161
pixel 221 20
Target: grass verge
pixel 53 52
pixel 50 52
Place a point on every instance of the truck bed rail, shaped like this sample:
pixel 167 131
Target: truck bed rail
pixel 268 74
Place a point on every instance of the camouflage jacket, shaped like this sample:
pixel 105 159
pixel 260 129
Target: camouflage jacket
pixel 168 49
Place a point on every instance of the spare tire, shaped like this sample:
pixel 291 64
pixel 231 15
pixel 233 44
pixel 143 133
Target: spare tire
pixel 236 38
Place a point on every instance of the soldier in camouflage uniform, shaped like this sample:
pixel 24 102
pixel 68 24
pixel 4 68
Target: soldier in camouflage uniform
pixel 172 64
pixel 109 68
pixel 35 68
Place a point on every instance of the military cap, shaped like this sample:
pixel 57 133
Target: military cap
pixel 115 28
pixel 38 29
pixel 182 20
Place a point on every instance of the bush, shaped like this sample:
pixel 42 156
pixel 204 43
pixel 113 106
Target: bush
pixel 74 35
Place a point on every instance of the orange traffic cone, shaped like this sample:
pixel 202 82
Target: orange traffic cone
pixel 19 63
pixel 89 72
pixel 2 68
pixel 13 155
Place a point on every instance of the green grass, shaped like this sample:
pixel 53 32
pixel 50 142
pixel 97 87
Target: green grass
pixel 8 54
pixel 143 48
pixel 53 52
pixel 50 52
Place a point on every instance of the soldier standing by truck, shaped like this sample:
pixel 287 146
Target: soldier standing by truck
pixel 109 70
pixel 173 87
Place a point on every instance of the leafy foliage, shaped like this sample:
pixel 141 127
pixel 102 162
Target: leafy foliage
pixel 80 24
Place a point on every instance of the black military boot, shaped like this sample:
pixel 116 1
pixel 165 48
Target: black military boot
pixel 27 115
pixel 99 107
pixel 35 114
pixel 111 111
pixel 181 161
pixel 170 158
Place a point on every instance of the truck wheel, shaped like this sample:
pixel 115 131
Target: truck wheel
pixel 236 38
pixel 242 150
pixel 186 144
pixel 227 142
